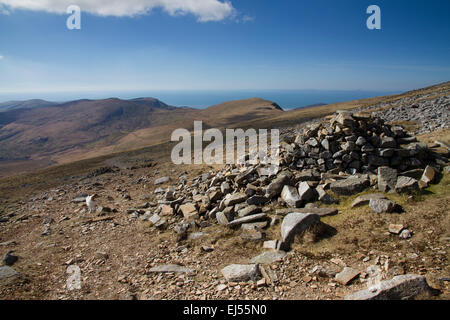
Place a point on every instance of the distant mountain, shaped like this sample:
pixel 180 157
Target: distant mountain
pixel 311 106
pixel 27 104
pixel 152 102
pixel 85 128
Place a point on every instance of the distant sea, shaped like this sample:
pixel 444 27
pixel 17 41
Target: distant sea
pixel 287 99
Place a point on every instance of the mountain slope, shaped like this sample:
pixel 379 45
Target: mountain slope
pixel 84 128
pixel 27 104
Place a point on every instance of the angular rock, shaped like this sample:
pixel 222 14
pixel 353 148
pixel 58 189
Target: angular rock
pixel 241 272
pixel 257 200
pixel 189 211
pixel 396 228
pixel 365 199
pixel 387 178
pixel 406 185
pixel 429 174
pixel 235 199
pixel 222 218
pixel 276 186
pixel 306 193
pixel 166 210
pixel 401 287
pixel 7 272
pixel 291 196
pixel 323 196
pixel 382 205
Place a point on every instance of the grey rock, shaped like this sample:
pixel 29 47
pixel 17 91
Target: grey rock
pixel 365 199
pixel 222 218
pixel 382 205
pixel 241 272
pixel 291 196
pixel 350 185
pixel 7 272
pixel 162 180
pixel 276 186
pixel 170 268
pixel 247 219
pixel 235 199
pixel 306 193
pixel 268 257
pixel 406 184
pixel 401 287
pixel 249 211
pixel 405 234
pixel 387 178
pixel 323 196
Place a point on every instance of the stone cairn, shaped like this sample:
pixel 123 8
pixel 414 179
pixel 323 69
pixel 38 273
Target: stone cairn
pixel 344 155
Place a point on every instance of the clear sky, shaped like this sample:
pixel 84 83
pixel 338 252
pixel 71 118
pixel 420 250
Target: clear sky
pixel 217 45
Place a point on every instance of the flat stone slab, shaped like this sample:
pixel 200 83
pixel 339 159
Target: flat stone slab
pixel 399 288
pixel 247 219
pixel 161 180
pixel 170 268
pixel 365 199
pixel 241 272
pixel 235 199
pixel 347 275
pixel 350 186
pixel 7 272
pixel 268 257
pixel 321 212
pixel 252 209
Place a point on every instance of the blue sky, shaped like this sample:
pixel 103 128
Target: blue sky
pixel 259 45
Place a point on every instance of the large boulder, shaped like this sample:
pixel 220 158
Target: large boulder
pixel 296 223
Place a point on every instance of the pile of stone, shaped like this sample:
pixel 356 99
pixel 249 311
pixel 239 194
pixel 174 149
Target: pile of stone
pixel 345 155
